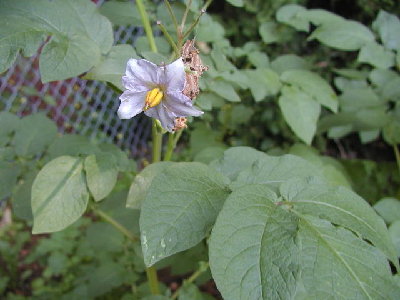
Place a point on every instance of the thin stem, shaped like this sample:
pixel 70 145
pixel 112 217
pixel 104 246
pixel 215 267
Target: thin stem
pixel 194 24
pixel 157 142
pixel 146 25
pixel 169 38
pixel 185 15
pixel 203 267
pixel 171 144
pixel 397 155
pixel 172 15
pixel 151 273
pixel 116 224
pixel 207 4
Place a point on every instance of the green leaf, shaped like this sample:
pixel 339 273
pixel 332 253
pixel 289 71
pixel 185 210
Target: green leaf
pixel 289 62
pixel 156 58
pixel 34 134
pixel 375 55
pixel 292 14
pixel 112 66
pixel 223 89
pixel 261 249
pixel 342 207
pixel 121 13
pixel 252 249
pixel 274 171
pixel 300 111
pixel 314 85
pixel 394 231
pixel 101 174
pixel 269 32
pixel 391 131
pixel 262 83
pixel 209 154
pixel 8 124
pixel 209 30
pixel 72 144
pixel 355 99
pixel 388 209
pixel 180 208
pixel 104 278
pixel 190 291
pixel 142 182
pixel 237 3
pixel 8 178
pixel 388 27
pixel 343 35
pixel 76 43
pixel 259 59
pixel 391 90
pixel 320 16
pixel 21 198
pixel 59 195
pixel 235 159
pixel 122 161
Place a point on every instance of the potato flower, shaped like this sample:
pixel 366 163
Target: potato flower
pixel 157 91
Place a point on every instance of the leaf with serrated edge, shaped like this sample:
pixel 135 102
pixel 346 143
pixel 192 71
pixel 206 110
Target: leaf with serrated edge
pixel 59 195
pixel 180 208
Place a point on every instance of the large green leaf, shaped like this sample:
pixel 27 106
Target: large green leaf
pixel 112 66
pixel 101 174
pixel 293 15
pixel 274 171
pixel 388 27
pixel 79 35
pixel 34 134
pixel 388 209
pixel 263 249
pixel 312 84
pixel 300 111
pixel 8 177
pixel 72 144
pixel 142 182
pixel 59 194
pixel 252 249
pixel 342 207
pixel 377 56
pixel 121 13
pixel 180 208
pixel 235 159
pixel 262 82
pixel 343 34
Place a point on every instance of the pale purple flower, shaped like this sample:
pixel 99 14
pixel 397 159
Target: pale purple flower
pixel 156 90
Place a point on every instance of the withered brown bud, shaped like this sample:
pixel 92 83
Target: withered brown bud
pixel 195 68
pixel 180 123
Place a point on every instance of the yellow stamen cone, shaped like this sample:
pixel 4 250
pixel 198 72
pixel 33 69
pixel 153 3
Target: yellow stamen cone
pixel 153 98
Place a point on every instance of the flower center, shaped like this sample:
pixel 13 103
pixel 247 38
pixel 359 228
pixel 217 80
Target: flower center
pixel 153 98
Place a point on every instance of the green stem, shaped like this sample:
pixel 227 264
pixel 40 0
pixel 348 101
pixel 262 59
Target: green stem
pixel 146 25
pixel 157 142
pixel 203 267
pixel 193 25
pixel 172 15
pixel 171 144
pixel 397 155
pixel 157 136
pixel 169 38
pixel 185 15
pixel 116 224
pixel 151 273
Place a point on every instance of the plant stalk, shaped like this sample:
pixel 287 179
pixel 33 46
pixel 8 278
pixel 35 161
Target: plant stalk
pixel 146 25
pixel 195 275
pixel 157 136
pixel 171 144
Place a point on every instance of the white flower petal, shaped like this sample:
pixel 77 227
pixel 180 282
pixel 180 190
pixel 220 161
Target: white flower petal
pixel 141 75
pixel 181 105
pixel 131 104
pixel 174 76
pixel 165 116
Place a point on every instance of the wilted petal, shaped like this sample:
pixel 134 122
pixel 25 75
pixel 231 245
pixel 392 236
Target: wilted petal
pixel 131 104
pixel 181 105
pixel 141 75
pixel 174 76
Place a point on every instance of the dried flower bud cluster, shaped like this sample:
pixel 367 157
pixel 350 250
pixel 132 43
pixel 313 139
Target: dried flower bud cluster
pixel 194 69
